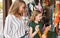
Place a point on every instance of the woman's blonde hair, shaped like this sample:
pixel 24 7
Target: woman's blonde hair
pixel 34 14
pixel 15 6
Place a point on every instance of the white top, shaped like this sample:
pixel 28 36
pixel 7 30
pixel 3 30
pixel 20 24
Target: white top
pixel 14 28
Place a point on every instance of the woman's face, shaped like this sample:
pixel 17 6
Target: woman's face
pixel 22 8
pixel 38 17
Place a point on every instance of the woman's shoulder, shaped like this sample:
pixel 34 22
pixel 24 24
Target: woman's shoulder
pixel 9 16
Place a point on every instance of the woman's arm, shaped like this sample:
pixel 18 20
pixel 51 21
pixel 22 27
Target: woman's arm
pixel 7 28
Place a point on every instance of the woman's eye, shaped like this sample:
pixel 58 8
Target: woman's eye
pixel 24 7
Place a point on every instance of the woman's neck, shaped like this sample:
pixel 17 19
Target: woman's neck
pixel 18 16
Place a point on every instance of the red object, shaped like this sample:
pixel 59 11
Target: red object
pixel 57 17
pixel 47 2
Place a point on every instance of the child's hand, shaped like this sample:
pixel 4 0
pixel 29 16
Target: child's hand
pixel 37 28
pixel 44 36
pixel 48 28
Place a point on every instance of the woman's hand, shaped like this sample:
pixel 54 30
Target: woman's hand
pixel 37 28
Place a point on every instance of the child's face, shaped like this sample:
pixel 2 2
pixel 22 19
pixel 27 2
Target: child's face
pixel 38 17
pixel 22 8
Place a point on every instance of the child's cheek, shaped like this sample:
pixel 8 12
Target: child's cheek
pixel 40 18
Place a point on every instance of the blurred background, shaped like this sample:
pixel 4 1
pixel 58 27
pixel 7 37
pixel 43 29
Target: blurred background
pixel 5 4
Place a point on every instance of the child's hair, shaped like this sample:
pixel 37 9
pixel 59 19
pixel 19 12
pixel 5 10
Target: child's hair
pixel 15 6
pixel 34 14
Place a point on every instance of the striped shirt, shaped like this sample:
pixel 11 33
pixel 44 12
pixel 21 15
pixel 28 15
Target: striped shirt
pixel 14 28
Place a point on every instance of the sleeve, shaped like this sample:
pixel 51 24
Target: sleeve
pixel 7 27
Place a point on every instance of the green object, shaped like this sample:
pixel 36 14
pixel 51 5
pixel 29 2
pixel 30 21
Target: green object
pixel 51 34
pixel 33 24
pixel 56 10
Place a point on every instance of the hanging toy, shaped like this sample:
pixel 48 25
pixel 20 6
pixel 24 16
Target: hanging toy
pixel 39 7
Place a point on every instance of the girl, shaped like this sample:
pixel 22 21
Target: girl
pixel 14 24
pixel 36 25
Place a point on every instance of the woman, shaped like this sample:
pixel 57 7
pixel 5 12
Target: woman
pixel 14 24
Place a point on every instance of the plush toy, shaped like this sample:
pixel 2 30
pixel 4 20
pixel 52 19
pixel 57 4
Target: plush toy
pixel 39 7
